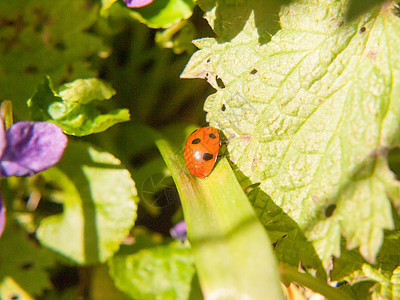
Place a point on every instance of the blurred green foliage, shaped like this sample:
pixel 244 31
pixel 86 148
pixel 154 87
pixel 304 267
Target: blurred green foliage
pixel 97 225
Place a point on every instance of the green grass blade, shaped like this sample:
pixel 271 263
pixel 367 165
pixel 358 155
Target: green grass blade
pixel 232 251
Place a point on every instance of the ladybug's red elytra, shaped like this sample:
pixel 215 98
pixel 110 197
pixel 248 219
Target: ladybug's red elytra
pixel 201 151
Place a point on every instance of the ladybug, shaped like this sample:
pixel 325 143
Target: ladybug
pixel 201 151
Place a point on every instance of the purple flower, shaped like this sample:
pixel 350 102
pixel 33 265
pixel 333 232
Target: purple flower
pixel 27 148
pixel 137 3
pixel 179 231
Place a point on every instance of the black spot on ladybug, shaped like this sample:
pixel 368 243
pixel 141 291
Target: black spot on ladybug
pixel 223 107
pixel 212 135
pixel 196 141
pixel 362 29
pixel 208 60
pixel 207 156
pixel 14 297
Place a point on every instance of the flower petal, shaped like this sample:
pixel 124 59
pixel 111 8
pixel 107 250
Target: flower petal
pixel 179 231
pixel 3 142
pixel 137 3
pixel 2 216
pixel 31 148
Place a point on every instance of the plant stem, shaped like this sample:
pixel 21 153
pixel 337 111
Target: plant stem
pixel 289 274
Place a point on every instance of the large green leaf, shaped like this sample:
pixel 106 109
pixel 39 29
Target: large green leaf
pixel 158 272
pixel 291 246
pixel 310 115
pixel 73 107
pixel 98 197
pixel 228 17
pixel 86 90
pixel 23 263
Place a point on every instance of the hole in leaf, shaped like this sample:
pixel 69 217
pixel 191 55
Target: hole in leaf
pixel 220 82
pixel 341 283
pixel 223 107
pixel 363 29
pixel 330 210
pixel 253 72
